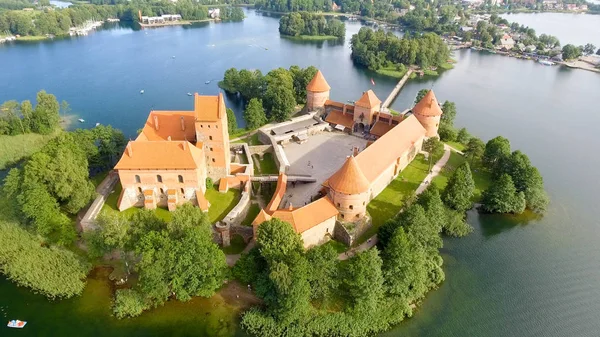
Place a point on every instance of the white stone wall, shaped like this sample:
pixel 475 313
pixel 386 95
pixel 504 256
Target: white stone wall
pixel 319 234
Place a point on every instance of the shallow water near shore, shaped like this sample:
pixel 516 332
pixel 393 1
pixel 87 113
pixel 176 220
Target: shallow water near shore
pixel 512 276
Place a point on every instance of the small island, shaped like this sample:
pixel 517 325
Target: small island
pixel 311 26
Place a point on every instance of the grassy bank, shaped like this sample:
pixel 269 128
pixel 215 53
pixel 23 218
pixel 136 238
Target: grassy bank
pixel 252 213
pixel 482 177
pixel 267 165
pixel 32 38
pixel 310 37
pixel 389 202
pixel 391 71
pixel 15 148
pixel 221 203
pixel 113 198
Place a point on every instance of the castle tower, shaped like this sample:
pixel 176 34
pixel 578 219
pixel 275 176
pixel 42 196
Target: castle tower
pixel 212 134
pixel 365 109
pixel 349 190
pixel 428 112
pixel 317 92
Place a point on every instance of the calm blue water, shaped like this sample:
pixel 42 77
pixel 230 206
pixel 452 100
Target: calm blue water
pixel 511 277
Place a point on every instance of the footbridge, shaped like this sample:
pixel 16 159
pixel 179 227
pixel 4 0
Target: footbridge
pixel 397 88
pixel 290 178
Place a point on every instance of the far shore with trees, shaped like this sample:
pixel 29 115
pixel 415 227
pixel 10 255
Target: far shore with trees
pixel 309 26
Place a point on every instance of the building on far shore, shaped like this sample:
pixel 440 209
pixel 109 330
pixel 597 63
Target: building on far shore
pixel 364 174
pixel 170 160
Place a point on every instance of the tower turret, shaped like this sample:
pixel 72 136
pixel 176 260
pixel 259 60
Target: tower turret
pixel 349 190
pixel 317 92
pixel 428 112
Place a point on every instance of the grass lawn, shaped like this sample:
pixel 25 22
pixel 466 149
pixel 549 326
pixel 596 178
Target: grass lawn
pixel 391 71
pixel 237 245
pixel 267 164
pixel 251 140
pixel 389 202
pixel 15 148
pixel 457 145
pixel 32 38
pixel 221 203
pixel 97 179
pixel 111 206
pixel 481 176
pixel 338 246
pixel 252 213
pixel 311 37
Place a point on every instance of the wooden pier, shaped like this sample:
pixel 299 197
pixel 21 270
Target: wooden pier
pixel 397 88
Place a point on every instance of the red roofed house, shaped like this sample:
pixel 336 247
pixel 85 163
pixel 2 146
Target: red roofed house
pixel 176 151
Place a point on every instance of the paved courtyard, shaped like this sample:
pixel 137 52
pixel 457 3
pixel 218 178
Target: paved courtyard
pixel 321 156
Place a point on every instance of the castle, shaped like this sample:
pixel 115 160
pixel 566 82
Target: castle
pixel 170 160
pixel 399 138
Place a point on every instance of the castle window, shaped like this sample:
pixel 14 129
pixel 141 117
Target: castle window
pixel 162 191
pixel 351 207
pixel 137 179
pixel 209 126
pixel 140 189
pixel 363 203
pixel 183 192
pixel 338 204
pixel 216 126
pixel 342 216
pixel 210 137
pixel 180 178
pixel 202 126
pixel 159 178
pixel 211 149
pixel 357 215
pixel 213 160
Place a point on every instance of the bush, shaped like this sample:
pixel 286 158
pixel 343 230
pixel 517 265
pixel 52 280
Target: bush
pixel 51 271
pixel 129 303
pixel 209 182
pixel 447 133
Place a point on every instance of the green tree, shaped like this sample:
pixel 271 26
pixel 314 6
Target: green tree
pixel 230 81
pixel 255 114
pixel 434 147
pixel 589 49
pixel 420 95
pixel 570 52
pixel 475 149
pixel 463 136
pixel 404 266
pixel 179 259
pixel 362 281
pixel 447 133
pixel 459 191
pixel 231 121
pixel 111 232
pixel 449 113
pixel 279 96
pixel 455 224
pixel 45 117
pixel 496 150
pixel 502 197
pixel 277 239
pixel 323 271
pixel 129 303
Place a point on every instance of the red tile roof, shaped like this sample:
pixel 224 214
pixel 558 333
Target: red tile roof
pixel 318 83
pixel 338 117
pixel 368 100
pixel 349 179
pixel 382 153
pixel 169 125
pixel 380 129
pixel 307 217
pixel 428 106
pixel 160 155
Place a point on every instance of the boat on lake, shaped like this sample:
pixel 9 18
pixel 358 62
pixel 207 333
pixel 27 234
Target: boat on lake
pixel 546 62
pixel 142 91
pixel 207 82
pixel 81 120
pixel 189 94
pixel 15 323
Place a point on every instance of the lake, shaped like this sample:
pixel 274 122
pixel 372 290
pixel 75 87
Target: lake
pixel 513 276
pixel 577 29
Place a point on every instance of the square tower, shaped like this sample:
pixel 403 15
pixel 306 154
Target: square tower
pixel 212 134
pixel 365 109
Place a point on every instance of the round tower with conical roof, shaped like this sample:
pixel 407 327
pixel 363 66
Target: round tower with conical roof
pixel 428 112
pixel 349 190
pixel 317 92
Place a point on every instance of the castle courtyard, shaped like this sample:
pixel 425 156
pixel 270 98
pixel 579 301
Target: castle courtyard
pixel 320 157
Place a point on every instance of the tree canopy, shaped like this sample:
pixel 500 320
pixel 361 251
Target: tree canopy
pixel 377 49
pixel 304 23
pixel 459 191
pixel 255 114
pixel 20 118
pixel 502 197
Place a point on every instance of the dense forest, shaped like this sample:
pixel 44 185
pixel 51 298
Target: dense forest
pixel 58 21
pixel 304 23
pixel 280 90
pixel 377 49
